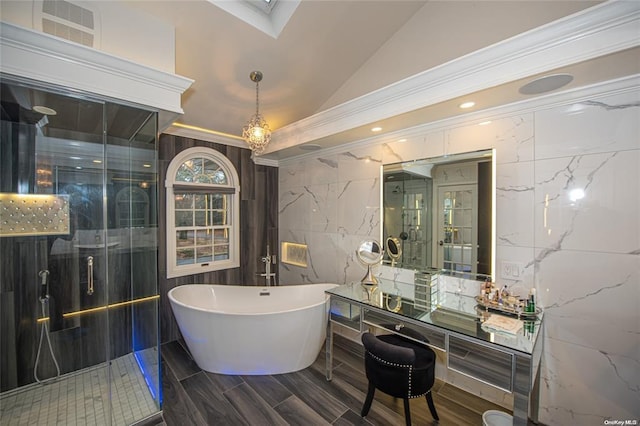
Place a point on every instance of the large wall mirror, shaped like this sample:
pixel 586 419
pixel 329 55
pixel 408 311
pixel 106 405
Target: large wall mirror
pixel 440 212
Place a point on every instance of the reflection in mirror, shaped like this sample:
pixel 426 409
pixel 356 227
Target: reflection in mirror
pixel 440 213
pixel 370 253
pixel 393 249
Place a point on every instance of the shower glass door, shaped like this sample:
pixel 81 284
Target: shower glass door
pixel 72 298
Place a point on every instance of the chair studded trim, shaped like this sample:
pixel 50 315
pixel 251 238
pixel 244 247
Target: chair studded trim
pixel 409 368
pixel 418 396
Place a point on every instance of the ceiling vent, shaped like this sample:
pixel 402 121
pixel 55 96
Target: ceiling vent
pixel 66 20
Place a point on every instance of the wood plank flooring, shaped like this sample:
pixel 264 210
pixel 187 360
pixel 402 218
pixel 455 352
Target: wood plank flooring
pixel 196 397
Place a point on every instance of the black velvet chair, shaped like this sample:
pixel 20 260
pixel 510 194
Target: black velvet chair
pixel 400 368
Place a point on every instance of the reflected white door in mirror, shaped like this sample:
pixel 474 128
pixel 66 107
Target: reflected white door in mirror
pixel 438 213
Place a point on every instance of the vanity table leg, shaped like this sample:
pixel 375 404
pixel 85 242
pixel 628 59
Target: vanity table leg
pixel 329 351
pixel 535 400
pixel 522 388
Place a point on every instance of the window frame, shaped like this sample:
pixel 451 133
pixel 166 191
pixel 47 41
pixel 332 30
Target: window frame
pixel 124 203
pixel 231 188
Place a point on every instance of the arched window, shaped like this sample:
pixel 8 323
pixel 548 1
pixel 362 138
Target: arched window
pixel 132 208
pixel 203 214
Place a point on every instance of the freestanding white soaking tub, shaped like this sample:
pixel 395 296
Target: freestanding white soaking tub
pixel 252 330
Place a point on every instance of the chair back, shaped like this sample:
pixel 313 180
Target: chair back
pixel 398 367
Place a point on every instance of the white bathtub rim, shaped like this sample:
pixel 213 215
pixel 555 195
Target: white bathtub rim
pixel 223 312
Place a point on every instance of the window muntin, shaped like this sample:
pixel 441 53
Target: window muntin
pixel 202 203
pixel 202 227
pixel 201 170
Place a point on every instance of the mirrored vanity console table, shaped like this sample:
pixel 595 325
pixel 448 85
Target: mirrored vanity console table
pixel 508 360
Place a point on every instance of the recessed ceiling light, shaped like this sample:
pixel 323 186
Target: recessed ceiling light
pixel 78 167
pixel 402 140
pixel 466 105
pixel 97 161
pixel 146 165
pixel 484 123
pixel 376 129
pixel 76 158
pixel 44 110
pixel 545 84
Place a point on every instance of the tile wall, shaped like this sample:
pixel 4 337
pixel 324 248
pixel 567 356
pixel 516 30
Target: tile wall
pixel 568 209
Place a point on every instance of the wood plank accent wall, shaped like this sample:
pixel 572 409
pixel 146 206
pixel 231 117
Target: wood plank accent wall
pixel 258 224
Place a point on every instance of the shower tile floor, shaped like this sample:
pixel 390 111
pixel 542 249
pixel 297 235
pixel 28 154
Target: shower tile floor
pixel 77 400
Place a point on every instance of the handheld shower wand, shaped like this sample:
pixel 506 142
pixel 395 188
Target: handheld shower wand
pixel 44 331
pixel 44 289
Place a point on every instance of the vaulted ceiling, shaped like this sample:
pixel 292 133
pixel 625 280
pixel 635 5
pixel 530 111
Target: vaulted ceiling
pixel 331 52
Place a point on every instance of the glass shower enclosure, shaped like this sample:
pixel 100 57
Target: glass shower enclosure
pixel 78 258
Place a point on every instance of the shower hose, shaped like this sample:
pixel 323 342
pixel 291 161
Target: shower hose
pixel 44 331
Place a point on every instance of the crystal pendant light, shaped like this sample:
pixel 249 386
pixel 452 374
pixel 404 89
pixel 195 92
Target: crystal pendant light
pixel 256 133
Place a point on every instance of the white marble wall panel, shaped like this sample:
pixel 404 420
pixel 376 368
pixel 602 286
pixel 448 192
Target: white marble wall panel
pixel 514 204
pixel 321 170
pixel 584 386
pixel 309 171
pixel 582 255
pixel 413 148
pixel 323 210
pixel 589 202
pixel 359 207
pixel 596 304
pixel 512 137
pixel 292 175
pixel 294 209
pixel 360 163
pixel 324 257
pixel 587 239
pixel 591 313
pixel 606 124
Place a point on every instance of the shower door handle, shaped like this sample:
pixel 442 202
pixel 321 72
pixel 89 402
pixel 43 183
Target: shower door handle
pixel 90 275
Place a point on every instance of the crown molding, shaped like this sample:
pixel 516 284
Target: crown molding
pixel 261 161
pixel 573 96
pixel 603 29
pixel 204 135
pixel 35 55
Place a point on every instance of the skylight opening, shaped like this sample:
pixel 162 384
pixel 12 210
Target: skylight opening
pixel 265 6
pixel 269 16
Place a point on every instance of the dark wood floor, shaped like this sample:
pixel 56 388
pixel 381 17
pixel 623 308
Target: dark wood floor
pixel 196 397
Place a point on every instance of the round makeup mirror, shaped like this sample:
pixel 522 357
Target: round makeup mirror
pixel 370 253
pixel 394 249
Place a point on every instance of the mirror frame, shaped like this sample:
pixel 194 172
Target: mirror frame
pixel 394 249
pixel 369 247
pixel 430 162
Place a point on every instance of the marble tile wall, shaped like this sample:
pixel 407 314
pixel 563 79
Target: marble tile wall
pixel 568 209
